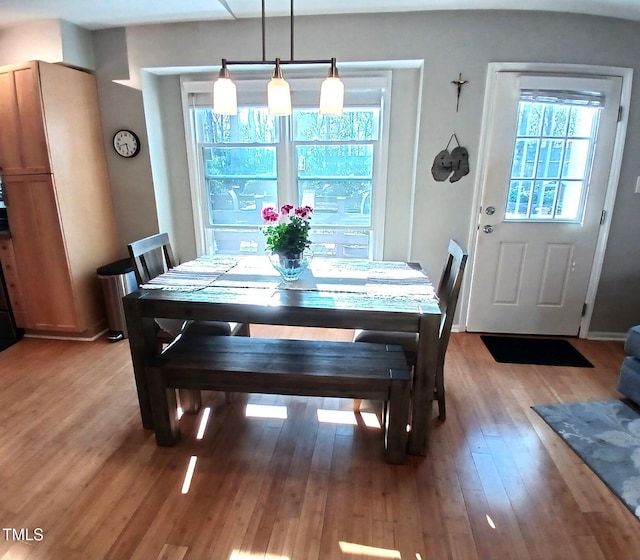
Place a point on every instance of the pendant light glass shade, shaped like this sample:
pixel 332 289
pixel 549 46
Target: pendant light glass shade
pixel 278 93
pixel 225 99
pixel 332 93
pixel 332 97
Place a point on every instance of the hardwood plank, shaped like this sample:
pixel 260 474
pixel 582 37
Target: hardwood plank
pixel 307 542
pixel 171 552
pixel 75 461
pixel 17 551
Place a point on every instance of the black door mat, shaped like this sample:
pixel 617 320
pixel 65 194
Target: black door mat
pixel 538 351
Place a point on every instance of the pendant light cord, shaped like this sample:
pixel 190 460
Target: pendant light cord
pixel 264 32
pixel 264 44
pixel 291 19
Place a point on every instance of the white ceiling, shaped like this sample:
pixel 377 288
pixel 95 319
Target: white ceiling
pixel 99 14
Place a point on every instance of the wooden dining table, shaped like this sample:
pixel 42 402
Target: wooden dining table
pixel 332 293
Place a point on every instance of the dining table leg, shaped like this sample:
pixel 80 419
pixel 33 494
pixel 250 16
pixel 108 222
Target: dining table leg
pixel 424 384
pixel 142 342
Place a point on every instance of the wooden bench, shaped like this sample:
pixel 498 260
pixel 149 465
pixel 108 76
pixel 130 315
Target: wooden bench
pixel 284 367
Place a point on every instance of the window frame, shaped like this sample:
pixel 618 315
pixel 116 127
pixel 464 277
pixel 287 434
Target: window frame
pixel 304 89
pixel 553 98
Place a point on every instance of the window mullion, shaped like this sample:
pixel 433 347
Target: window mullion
pixel 286 165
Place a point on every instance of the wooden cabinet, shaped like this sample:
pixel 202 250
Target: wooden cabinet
pixel 58 203
pixel 23 147
pixel 10 271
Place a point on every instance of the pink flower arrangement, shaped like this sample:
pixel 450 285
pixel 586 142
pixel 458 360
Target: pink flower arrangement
pixel 287 231
pixel 270 216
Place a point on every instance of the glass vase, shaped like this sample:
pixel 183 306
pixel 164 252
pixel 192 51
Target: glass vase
pixel 290 268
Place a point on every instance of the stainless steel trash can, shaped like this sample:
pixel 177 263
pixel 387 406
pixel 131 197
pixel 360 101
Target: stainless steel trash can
pixel 117 280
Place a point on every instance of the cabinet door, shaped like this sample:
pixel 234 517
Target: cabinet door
pixel 40 254
pixel 23 143
pixel 10 270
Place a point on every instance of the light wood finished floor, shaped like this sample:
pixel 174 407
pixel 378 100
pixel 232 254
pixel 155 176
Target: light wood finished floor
pixel 84 481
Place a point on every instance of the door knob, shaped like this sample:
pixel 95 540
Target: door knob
pixel 490 210
pixel 487 229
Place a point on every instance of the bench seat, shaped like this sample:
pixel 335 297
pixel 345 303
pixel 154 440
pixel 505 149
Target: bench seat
pixel 284 367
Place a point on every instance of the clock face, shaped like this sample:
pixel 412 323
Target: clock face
pixel 126 143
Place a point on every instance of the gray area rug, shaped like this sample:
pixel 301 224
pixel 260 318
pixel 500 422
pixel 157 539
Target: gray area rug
pixel 606 436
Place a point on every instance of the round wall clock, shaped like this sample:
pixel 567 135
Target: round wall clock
pixel 126 143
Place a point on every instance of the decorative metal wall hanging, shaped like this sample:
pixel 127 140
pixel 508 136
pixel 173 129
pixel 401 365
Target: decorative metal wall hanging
pixel 459 83
pixel 454 163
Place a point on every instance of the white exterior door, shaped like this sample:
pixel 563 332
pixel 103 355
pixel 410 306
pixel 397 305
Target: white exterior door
pixel 549 154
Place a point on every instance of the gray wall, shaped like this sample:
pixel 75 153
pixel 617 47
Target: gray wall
pixel 447 42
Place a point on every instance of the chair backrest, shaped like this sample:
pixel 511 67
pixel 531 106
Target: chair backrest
pixel 151 256
pixel 448 292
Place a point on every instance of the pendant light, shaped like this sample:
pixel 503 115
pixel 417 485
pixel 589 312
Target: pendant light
pixel 332 93
pixel 225 99
pixel 278 93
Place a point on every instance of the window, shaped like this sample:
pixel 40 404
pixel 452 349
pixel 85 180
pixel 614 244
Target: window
pixel 239 173
pixel 334 175
pixel 253 160
pixel 552 156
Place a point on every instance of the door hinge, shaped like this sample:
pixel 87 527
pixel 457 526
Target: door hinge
pixel 620 113
pixel 584 309
pixel 603 217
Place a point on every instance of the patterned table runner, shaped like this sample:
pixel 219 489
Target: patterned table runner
pixel 192 275
pixel 378 278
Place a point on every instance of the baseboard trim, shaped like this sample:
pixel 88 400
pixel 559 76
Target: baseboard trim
pixel 594 335
pixel 67 337
pixel 597 335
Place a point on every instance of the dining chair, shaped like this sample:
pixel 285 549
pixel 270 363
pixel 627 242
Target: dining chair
pixel 151 257
pixel 448 291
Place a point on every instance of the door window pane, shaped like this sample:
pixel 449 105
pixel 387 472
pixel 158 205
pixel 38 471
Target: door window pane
pixel 554 145
pixel 556 118
pixel 549 159
pixel 544 197
pixel 570 199
pixel 518 201
pixel 576 159
pixel 524 157
pixel 582 121
pixel 530 119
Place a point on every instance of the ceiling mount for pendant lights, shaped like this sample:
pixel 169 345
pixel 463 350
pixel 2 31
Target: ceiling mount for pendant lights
pixel 225 99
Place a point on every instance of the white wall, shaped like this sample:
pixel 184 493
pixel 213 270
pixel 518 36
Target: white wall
pixel 50 40
pixel 41 40
pixel 168 153
pixel 122 107
pixel 77 45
